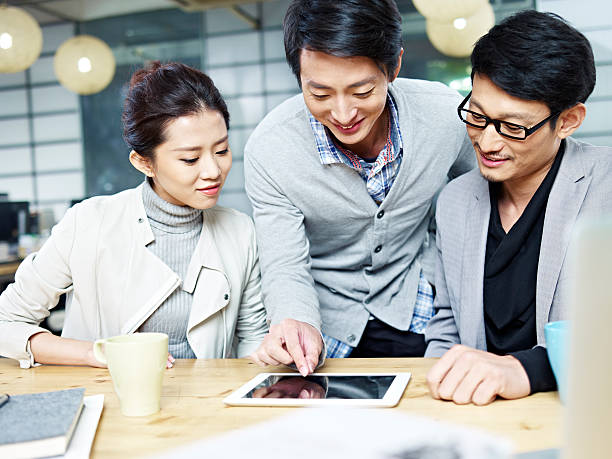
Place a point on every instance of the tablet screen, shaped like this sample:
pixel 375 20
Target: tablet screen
pixel 323 387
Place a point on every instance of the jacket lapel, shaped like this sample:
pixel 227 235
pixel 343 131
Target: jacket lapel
pixel 564 203
pixel 149 280
pixel 206 277
pixel 477 222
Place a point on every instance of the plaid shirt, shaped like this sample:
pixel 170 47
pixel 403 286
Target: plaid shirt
pixel 378 175
pixel 423 311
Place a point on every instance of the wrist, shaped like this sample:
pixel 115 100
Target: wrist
pixel 89 358
pixel 521 386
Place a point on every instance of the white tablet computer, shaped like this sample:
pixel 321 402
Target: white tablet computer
pixel 321 389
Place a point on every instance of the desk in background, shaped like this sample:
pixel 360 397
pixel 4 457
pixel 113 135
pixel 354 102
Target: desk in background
pixel 7 272
pixel 192 406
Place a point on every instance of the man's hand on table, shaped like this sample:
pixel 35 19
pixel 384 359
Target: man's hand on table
pixel 466 375
pixel 290 341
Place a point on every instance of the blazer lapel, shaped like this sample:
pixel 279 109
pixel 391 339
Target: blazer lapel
pixel 476 226
pixel 564 203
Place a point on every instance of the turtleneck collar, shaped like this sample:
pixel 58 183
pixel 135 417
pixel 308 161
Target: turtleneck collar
pixel 168 217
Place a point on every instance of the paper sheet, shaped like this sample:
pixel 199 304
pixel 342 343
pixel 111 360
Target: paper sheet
pixel 85 431
pixel 321 433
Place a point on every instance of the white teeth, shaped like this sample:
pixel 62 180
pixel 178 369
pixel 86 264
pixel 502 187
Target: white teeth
pixel 348 127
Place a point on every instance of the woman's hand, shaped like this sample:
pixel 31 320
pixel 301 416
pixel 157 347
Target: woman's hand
pixel 170 361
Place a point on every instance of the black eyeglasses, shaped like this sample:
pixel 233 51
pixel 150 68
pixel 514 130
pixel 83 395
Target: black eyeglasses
pixel 509 130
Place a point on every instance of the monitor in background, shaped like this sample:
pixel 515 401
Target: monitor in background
pixel 14 220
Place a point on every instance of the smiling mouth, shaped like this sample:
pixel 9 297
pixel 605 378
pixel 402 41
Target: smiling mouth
pixel 213 189
pixel 493 158
pixel 348 127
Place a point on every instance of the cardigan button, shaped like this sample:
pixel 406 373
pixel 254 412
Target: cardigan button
pixel 378 249
pixel 380 214
pixel 140 220
pixel 226 297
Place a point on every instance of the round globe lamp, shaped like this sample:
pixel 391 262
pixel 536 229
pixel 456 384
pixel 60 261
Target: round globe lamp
pixel 457 37
pixel 21 39
pixel 84 64
pixel 448 10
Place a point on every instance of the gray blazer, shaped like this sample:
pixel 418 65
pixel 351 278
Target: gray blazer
pixel 583 186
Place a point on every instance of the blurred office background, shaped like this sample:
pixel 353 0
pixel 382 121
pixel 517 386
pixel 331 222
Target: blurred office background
pixel 57 147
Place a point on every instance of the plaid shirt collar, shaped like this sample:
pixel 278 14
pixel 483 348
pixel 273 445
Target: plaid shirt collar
pixel 329 153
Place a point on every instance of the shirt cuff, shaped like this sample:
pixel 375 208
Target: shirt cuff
pixel 27 363
pixel 538 369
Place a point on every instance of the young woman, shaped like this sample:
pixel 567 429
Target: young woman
pixel 160 257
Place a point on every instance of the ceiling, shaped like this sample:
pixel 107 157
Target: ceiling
pixel 47 11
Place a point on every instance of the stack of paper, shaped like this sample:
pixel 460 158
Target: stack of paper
pixel 353 433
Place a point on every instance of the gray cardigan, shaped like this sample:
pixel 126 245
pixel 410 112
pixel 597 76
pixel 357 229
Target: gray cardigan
pixel 583 187
pixel 328 255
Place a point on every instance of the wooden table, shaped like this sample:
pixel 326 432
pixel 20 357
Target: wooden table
pixel 192 405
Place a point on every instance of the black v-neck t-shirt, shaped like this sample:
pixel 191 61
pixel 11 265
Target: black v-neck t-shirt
pixel 510 278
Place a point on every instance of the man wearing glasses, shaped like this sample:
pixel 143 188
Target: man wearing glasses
pixel 503 230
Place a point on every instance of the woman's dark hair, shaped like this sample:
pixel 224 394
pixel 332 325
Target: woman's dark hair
pixel 344 28
pixel 160 93
pixel 537 56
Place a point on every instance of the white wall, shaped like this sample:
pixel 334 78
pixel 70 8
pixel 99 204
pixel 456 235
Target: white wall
pixel 594 19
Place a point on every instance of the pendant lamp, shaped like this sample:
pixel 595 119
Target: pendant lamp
pixel 20 39
pixel 84 64
pixel 457 37
pixel 448 10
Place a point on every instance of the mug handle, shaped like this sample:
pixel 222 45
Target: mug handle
pixel 98 352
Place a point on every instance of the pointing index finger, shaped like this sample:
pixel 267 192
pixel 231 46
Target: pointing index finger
pixel 292 341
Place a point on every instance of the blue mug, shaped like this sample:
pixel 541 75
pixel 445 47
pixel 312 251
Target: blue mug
pixel 557 347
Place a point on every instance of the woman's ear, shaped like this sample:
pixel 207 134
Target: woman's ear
pixel 142 164
pixel 570 120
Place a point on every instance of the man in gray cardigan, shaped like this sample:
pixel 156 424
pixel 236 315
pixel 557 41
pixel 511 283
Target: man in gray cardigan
pixel 343 179
pixel 503 231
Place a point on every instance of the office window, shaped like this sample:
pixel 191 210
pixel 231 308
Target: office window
pixel 40 132
pixel 247 65
pixel 595 22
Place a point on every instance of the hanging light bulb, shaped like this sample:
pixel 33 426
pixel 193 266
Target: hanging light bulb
pixel 448 10
pixel 457 37
pixel 459 23
pixel 84 64
pixel 20 39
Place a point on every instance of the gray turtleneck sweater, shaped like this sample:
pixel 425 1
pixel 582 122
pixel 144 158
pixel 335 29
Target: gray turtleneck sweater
pixel 176 230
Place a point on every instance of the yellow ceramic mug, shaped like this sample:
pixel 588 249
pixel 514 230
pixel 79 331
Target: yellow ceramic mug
pixel 136 364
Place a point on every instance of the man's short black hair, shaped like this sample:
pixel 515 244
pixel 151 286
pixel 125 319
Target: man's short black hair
pixel 537 56
pixel 344 28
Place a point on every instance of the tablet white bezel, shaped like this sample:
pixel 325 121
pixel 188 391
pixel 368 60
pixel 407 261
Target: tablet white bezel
pixel 391 398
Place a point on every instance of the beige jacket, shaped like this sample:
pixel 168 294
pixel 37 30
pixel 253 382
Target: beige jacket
pixel 97 254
